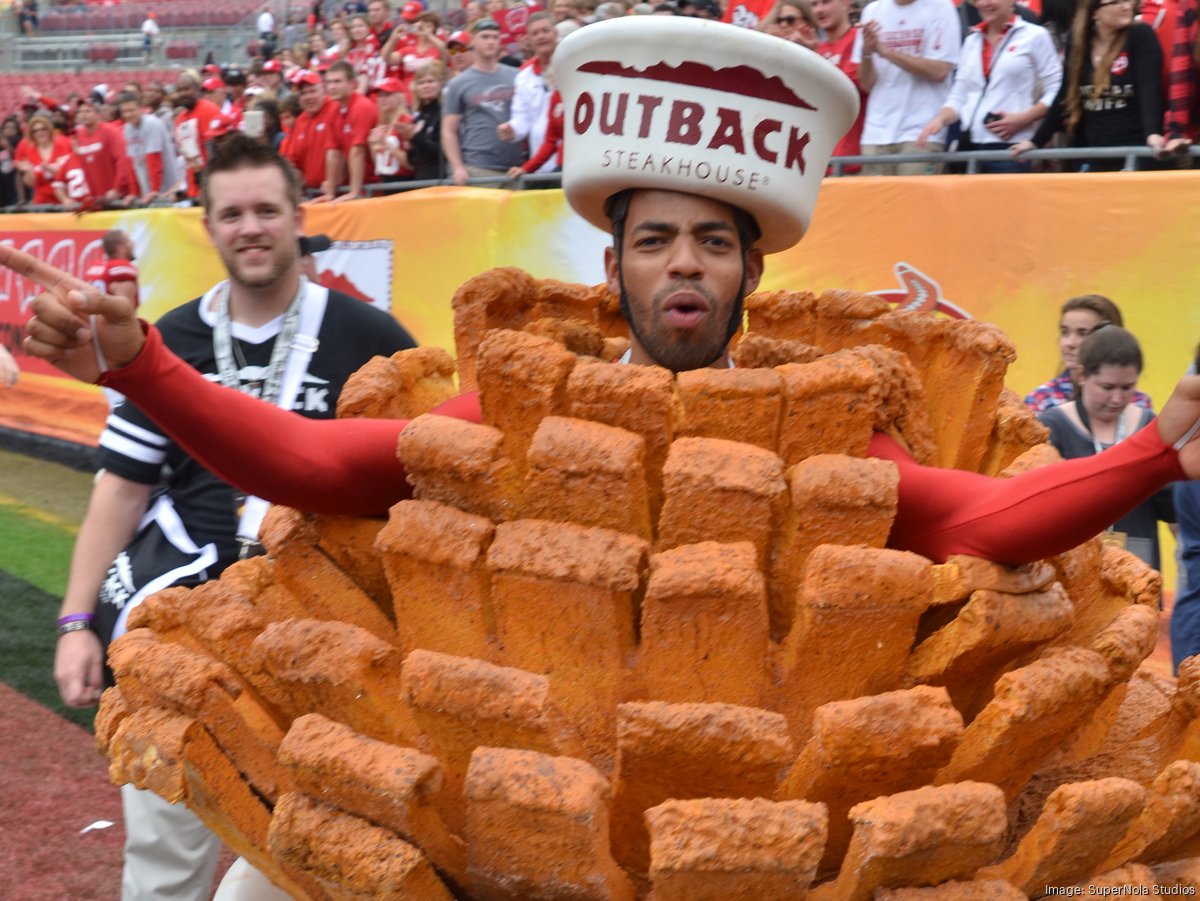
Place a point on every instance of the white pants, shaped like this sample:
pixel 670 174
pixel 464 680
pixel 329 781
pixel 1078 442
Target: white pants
pixel 169 852
pixel 244 883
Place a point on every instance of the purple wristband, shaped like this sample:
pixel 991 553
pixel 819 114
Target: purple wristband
pixel 76 618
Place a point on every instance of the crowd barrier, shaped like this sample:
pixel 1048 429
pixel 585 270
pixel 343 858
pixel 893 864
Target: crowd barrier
pixel 1005 249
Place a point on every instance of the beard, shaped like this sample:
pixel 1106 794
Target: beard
pixel 259 277
pixel 695 350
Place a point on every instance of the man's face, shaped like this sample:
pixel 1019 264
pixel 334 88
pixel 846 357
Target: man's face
pixel 680 275
pixel 131 112
pixel 338 85
pixel 563 10
pixel 88 115
pixel 311 97
pixel 359 30
pixel 542 37
pixel 154 95
pixel 187 92
pixel 486 45
pixel 830 14
pixel 253 224
pixel 376 13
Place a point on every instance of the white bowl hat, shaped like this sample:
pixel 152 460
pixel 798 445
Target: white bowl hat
pixel 701 107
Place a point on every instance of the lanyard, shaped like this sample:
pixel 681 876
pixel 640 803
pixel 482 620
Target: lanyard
pixel 227 367
pixel 1120 436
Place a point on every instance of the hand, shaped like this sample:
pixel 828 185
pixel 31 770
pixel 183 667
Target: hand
pixel 1158 144
pixel 929 131
pixel 460 175
pixel 68 325
pixel 505 132
pixel 1180 413
pixel 871 38
pixel 349 195
pixel 9 371
pixel 1006 125
pixel 806 37
pixel 1022 147
pixel 78 668
pixel 516 172
pixel 1178 145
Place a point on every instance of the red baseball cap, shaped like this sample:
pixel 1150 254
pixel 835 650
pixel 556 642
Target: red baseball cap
pixel 389 86
pixel 212 84
pixel 410 10
pixel 272 65
pixel 212 68
pixel 460 37
pixel 304 76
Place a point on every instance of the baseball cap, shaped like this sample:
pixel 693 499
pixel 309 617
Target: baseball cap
pixel 303 77
pixel 460 37
pixel 485 25
pixel 212 84
pixel 410 10
pixel 388 86
pixel 272 65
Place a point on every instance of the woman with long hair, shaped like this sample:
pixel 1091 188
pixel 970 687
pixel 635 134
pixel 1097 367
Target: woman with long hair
pixel 1110 362
pixel 424 134
pixel 1112 94
pixel 40 156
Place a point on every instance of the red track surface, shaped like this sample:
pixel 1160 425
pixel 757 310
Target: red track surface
pixel 53 783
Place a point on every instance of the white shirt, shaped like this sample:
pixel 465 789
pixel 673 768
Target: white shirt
pixel 266 22
pixel 530 114
pixel 150 28
pixel 901 104
pixel 1025 70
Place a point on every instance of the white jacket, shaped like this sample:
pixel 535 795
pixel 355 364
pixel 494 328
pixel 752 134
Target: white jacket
pixel 1025 70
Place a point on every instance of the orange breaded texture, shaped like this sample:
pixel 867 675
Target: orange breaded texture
pixel 577 336
pixel 498 298
pixel 761 352
pixel 402 386
pixel 783 315
pixel 567 300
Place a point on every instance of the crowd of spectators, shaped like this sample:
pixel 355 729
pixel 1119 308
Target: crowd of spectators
pixel 364 93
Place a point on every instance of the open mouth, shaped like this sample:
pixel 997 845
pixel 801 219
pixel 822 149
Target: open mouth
pixel 685 310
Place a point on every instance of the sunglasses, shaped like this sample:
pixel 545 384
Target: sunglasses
pixel 455 51
pixel 787 20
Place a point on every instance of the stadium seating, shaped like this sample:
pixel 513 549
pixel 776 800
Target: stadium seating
pixel 58 85
pixel 129 16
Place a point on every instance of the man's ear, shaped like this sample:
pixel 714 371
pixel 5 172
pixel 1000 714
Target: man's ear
pixel 612 271
pixel 754 270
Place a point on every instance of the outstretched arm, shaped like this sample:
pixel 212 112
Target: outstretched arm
pixel 1031 516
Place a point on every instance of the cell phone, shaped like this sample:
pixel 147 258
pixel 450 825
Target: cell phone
pixel 990 118
pixel 252 123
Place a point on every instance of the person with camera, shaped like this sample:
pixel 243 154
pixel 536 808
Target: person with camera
pixel 1007 78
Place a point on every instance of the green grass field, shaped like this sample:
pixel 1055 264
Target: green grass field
pixel 41 505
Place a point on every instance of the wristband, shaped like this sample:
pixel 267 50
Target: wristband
pixel 74 622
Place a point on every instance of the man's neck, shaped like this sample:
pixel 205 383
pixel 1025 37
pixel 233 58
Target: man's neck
pixel 482 66
pixel 257 306
pixel 544 58
pixel 838 31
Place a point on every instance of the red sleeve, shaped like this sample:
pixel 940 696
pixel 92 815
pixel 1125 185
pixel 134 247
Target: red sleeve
pixel 363 117
pixel 154 165
pixel 1181 75
pixel 1031 516
pixel 324 465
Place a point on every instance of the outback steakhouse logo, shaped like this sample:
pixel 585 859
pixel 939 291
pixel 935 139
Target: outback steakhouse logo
pixel 687 123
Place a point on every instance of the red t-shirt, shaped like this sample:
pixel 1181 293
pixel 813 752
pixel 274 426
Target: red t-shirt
pixel 107 273
pixel 840 53
pixel 102 153
pixel 352 127
pixel 45 170
pixel 73 177
pixel 194 128
pixel 308 141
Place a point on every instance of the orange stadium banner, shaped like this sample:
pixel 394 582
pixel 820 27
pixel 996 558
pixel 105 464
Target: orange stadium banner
pixel 1006 249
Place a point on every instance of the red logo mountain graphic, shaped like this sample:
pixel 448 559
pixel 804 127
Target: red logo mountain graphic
pixel 919 293
pixel 732 79
pixel 335 281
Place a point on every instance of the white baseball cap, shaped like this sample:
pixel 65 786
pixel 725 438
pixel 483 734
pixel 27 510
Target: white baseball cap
pixel 701 107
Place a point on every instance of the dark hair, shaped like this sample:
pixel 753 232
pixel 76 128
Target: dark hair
pixel 1095 303
pixel 341 66
pixel 1082 35
pixel 617 210
pixel 1109 345
pixel 270 110
pixel 240 151
pixel 541 15
pixel 127 97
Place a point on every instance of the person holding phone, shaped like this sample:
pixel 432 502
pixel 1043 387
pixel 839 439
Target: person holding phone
pixel 1007 77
